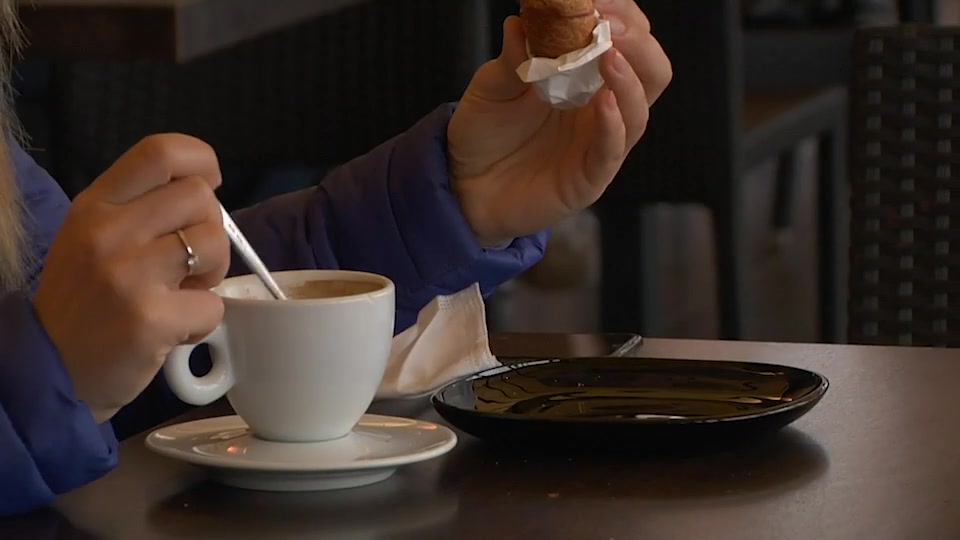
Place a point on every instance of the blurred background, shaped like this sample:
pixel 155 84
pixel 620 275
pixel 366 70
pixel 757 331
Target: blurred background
pixel 727 221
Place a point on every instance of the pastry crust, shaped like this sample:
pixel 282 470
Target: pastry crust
pixel 557 27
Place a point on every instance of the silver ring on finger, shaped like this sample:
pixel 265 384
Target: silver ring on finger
pixel 193 260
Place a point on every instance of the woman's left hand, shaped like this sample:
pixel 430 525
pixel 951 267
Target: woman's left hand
pixel 518 165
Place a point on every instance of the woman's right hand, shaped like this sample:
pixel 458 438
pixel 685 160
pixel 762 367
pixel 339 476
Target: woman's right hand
pixel 115 295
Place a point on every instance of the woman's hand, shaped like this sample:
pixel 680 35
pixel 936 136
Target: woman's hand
pixel 518 165
pixel 115 295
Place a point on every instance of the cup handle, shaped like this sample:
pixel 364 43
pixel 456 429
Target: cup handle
pixel 200 390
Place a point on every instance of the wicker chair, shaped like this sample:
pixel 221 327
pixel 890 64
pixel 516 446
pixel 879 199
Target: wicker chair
pixel 919 11
pixel 311 96
pixel 905 187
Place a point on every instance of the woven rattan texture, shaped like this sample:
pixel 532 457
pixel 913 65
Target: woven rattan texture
pixel 905 187
pixel 322 92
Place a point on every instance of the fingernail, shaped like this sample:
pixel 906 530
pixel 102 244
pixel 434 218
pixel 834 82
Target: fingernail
pixel 616 26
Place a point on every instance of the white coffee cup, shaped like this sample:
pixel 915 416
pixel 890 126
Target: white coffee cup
pixel 299 370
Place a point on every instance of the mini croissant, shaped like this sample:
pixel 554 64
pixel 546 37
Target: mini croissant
pixel 557 27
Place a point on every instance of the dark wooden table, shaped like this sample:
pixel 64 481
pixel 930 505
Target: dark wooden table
pixel 877 459
pixel 165 30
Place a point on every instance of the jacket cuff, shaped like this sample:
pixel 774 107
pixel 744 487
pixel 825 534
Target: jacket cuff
pixel 438 239
pixel 67 445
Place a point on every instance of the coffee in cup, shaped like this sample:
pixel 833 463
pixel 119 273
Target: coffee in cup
pixel 299 370
pixel 330 288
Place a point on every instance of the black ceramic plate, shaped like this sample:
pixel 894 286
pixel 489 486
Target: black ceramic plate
pixel 612 402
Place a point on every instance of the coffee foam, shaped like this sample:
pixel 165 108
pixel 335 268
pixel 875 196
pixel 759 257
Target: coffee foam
pixel 299 288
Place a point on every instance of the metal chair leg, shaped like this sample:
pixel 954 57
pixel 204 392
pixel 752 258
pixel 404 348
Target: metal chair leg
pixel 622 299
pixel 786 175
pixel 831 225
pixel 728 239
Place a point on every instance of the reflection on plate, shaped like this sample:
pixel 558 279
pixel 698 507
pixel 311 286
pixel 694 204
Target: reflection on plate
pixel 638 402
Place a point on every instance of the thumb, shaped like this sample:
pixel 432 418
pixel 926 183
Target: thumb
pixel 514 51
pixel 498 79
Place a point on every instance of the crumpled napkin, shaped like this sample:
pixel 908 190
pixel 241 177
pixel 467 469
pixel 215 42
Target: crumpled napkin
pixel 568 82
pixel 448 341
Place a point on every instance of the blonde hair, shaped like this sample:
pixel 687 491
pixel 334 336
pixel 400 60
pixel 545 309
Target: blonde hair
pixel 14 256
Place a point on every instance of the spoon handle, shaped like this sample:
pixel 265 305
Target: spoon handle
pixel 250 256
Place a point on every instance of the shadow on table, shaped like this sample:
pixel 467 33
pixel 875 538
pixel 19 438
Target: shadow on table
pixel 779 463
pixel 403 504
pixel 46 524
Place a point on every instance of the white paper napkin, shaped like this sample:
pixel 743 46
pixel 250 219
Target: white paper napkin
pixel 571 80
pixel 448 341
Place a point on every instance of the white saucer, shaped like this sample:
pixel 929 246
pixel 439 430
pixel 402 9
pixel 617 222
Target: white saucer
pixel 371 453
